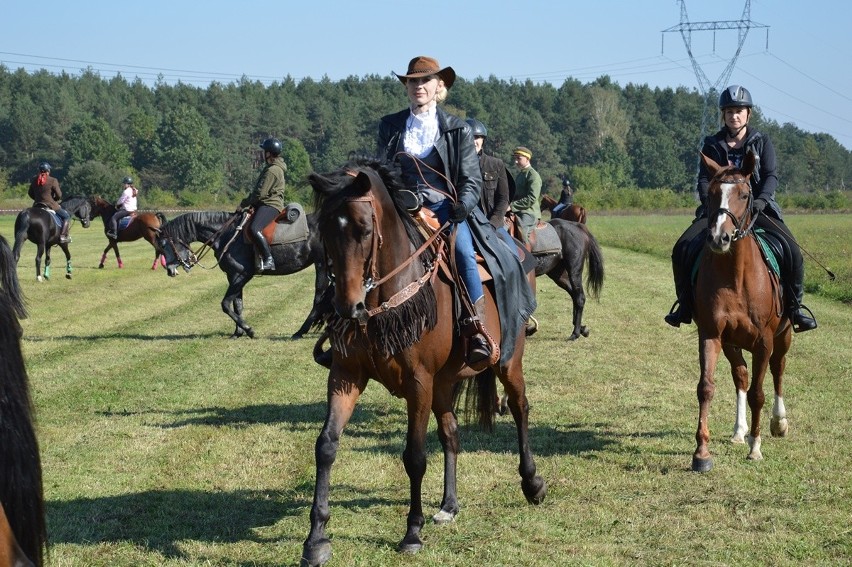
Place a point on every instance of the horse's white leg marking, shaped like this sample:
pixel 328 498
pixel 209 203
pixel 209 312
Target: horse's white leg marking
pixel 443 517
pixel 754 454
pixel 778 425
pixel 740 424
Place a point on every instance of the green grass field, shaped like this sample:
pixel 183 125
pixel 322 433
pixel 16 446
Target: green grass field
pixel 165 443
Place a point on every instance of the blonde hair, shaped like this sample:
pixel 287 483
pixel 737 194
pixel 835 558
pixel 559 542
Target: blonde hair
pixel 442 92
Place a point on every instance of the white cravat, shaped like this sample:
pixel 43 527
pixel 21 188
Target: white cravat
pixel 421 132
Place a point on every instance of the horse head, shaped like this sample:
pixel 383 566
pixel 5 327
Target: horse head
pixel 729 201
pixel 79 207
pixel 175 251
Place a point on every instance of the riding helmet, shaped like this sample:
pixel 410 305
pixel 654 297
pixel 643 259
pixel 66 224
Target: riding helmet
pixel 44 166
pixel 565 183
pixel 735 95
pixel 477 127
pixel 128 180
pixel 272 145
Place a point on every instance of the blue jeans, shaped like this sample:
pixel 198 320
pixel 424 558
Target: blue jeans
pixel 465 252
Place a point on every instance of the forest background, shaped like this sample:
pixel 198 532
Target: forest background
pixel 624 148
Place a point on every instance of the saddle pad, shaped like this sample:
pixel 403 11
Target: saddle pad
pixel 771 249
pixel 290 226
pixel 546 240
pixel 124 222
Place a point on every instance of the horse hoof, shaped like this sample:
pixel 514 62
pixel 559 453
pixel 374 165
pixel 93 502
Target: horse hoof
pixel 315 555
pixel 574 337
pixel 534 490
pixel 701 465
pixel 410 545
pixel 100 266
pixel 39 279
pixel 443 517
pixel 738 439
pixel 250 333
pixel 778 427
pixel 67 276
pixel 584 330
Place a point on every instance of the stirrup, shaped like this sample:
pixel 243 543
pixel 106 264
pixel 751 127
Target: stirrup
pixel 800 321
pixel 676 315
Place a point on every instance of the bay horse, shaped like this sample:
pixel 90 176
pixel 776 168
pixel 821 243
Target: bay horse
pixel 236 257
pixel 141 225
pixel 576 213
pixel 564 265
pixel 39 226
pixel 737 307
pixel 23 533
pixel 393 322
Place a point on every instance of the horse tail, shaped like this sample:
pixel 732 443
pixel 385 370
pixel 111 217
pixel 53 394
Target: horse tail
pixel 22 225
pixel 21 491
pixel 480 398
pixel 11 289
pixel 594 256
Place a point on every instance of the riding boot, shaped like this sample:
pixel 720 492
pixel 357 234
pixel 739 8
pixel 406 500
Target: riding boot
pixel 680 311
pixel 801 322
pixel 63 232
pixel 479 350
pixel 266 262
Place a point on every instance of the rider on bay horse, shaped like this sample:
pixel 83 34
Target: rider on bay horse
pixel 728 147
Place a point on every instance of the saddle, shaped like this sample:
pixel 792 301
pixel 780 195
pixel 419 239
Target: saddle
pixel 56 218
pixel 124 222
pixel 542 238
pixel 291 225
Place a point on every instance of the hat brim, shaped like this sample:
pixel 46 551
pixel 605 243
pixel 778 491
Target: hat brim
pixel 447 74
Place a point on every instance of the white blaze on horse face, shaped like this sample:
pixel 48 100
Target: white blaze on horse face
pixel 342 222
pixel 725 204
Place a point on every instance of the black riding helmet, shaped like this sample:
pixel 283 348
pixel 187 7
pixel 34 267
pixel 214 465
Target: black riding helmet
pixel 128 180
pixel 566 183
pixel 44 167
pixel 735 95
pixel 271 145
pixel 477 127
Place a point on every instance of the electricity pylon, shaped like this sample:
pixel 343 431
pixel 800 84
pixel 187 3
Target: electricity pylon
pixel 710 89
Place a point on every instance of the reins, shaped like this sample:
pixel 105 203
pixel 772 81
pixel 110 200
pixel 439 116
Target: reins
pixel 195 257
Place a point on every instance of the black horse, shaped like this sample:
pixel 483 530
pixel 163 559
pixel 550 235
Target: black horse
pixel 565 267
pixel 39 226
pixel 236 258
pixel 22 525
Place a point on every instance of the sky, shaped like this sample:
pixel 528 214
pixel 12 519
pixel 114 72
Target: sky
pixel 795 58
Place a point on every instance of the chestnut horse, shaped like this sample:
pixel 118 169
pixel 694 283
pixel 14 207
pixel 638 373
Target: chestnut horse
pixel 737 307
pixel 142 225
pixel 38 225
pixel 394 323
pixel 576 213
pixel 23 534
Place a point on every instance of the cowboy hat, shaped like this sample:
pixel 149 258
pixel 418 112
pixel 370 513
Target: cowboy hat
pixel 422 66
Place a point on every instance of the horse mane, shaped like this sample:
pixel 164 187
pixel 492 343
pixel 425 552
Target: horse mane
pixel 21 491
pixel 184 227
pixel 74 202
pixel 395 330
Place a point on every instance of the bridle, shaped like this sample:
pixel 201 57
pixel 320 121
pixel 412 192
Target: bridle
pixel 194 258
pixel 739 231
pixel 371 278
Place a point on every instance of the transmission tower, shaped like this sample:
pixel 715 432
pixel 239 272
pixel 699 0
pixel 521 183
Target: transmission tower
pixel 710 89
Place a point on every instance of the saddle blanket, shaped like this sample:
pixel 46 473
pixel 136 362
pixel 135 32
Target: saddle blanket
pixel 290 226
pixel 546 240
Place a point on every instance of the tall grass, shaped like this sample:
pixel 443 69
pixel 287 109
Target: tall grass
pixel 165 443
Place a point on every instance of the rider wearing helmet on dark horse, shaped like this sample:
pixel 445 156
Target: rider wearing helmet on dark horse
pixel 45 192
pixel 566 199
pixel 728 147
pixel 267 199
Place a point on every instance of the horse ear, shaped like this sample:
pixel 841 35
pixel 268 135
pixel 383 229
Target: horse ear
pixel 749 162
pixel 363 181
pixel 712 167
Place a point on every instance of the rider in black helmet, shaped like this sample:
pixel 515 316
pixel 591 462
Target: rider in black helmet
pixel 267 199
pixel 729 146
pixel 496 188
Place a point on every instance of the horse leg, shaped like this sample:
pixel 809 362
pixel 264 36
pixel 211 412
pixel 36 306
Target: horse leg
pixel 117 254
pixel 103 257
pixel 47 262
pixel 342 396
pixel 756 398
pixel 512 378
pixel 320 285
pixel 419 400
pixel 739 372
pixel 573 285
pixel 708 356
pixel 68 268
pixel 232 305
pixel 448 434
pixel 778 425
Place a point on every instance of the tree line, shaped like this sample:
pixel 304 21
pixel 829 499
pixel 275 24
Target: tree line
pixel 193 146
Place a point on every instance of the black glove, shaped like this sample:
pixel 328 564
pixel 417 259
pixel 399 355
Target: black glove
pixel 758 205
pixel 459 212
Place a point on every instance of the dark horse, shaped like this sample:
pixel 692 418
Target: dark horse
pixel 394 323
pixel 576 213
pixel 141 225
pixel 564 265
pixel 236 258
pixel 39 226
pixel 23 534
pixel 737 307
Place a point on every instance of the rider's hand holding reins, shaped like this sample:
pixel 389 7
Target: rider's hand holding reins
pixel 758 205
pixel 459 212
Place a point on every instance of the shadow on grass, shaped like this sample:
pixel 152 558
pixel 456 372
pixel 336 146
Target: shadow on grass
pixel 160 520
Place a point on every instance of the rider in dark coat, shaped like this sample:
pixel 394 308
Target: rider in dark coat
pixel 728 146
pixel 45 192
pixel 496 178
pixel 455 155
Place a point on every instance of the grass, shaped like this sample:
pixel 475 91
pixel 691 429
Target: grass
pixel 165 443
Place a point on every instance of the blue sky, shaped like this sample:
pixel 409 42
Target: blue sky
pixel 802 76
